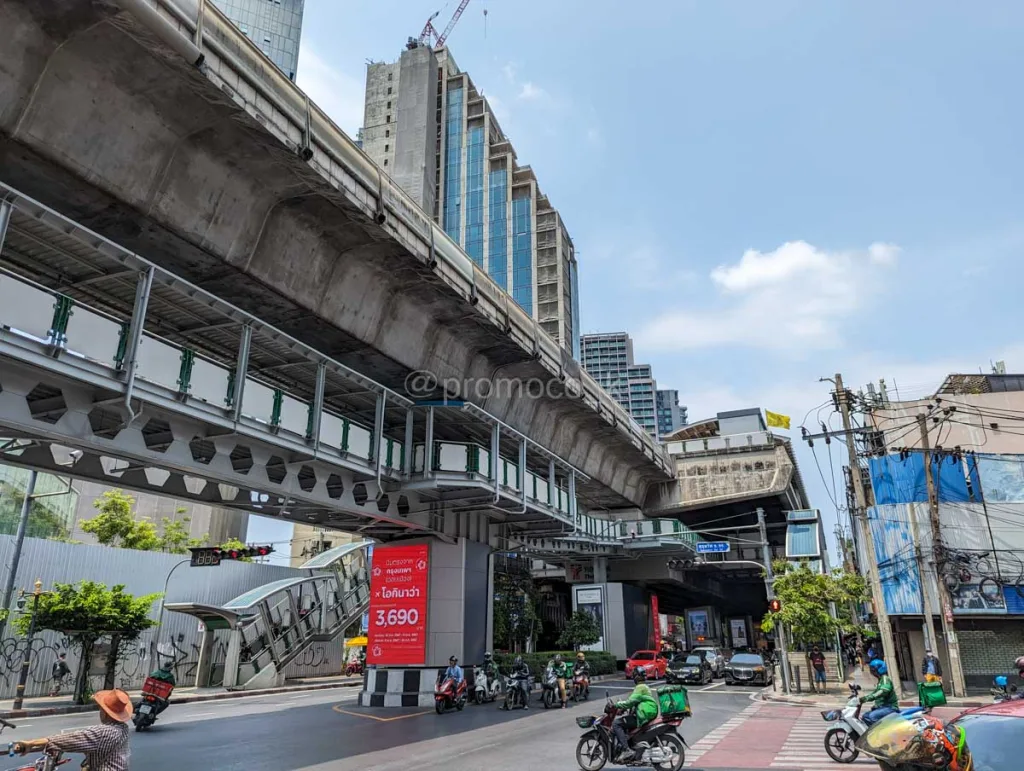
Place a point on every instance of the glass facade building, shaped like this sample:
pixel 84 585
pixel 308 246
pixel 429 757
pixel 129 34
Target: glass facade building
pixel 273 25
pixel 671 417
pixel 608 358
pixel 432 131
pixel 49 517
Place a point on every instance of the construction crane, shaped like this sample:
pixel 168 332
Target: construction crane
pixel 430 34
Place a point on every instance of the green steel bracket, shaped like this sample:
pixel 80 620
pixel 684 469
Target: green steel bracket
pixel 472 459
pixel 390 454
pixel 122 344
pixel 437 457
pixel 345 425
pixel 309 422
pixel 229 397
pixel 188 358
pixel 275 412
pixel 401 456
pixel 58 334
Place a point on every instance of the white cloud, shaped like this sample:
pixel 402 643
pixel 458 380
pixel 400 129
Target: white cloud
pixel 532 92
pixel 337 93
pixel 793 298
pixel 510 72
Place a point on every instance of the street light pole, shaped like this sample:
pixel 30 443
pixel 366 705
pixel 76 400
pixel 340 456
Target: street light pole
pixel 160 616
pixel 26 660
pixel 19 543
pixel 769 582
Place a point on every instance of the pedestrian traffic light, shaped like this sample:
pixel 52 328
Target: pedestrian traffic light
pixel 209 556
pixel 774 606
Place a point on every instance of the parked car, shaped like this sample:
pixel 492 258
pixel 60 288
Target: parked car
pixel 714 656
pixel 748 669
pixel 653 662
pixel 689 668
pixel 995 734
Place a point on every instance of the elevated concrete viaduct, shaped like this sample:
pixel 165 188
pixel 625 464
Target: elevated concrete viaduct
pixel 171 134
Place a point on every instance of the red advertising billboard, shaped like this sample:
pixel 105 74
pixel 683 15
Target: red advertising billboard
pixel 398 606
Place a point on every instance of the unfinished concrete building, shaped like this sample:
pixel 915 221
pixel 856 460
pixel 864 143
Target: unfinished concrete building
pixel 433 132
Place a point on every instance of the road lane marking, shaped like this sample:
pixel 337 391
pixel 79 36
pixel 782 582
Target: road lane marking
pixel 709 687
pixel 339 710
pixel 201 714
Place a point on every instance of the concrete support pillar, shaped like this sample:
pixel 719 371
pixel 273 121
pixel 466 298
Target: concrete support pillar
pixel 204 669
pixel 600 570
pixel 233 658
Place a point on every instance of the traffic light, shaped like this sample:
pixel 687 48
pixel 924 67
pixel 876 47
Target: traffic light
pixel 774 606
pixel 210 556
pixel 684 564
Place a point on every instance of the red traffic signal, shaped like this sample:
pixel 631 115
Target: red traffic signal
pixel 212 555
pixel 774 606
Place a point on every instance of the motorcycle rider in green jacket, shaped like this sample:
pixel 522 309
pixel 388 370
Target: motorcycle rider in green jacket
pixel 643 708
pixel 884 696
pixel 562 671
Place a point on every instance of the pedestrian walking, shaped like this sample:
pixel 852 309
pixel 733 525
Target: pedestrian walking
pixel 817 659
pixel 59 672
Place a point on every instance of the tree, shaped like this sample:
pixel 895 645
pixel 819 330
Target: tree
pixel 85 613
pixel 806 598
pixel 176 538
pixel 234 543
pixel 581 630
pixel 116 525
pixel 516 621
pixel 43 522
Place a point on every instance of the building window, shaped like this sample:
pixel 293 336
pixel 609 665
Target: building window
pixel 497 248
pixel 387 133
pixel 385 161
pixel 453 166
pixel 522 253
pixel 389 92
pixel 475 195
pixel 389 105
pixel 390 75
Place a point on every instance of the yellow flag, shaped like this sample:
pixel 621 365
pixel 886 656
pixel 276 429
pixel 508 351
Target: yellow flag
pixel 775 420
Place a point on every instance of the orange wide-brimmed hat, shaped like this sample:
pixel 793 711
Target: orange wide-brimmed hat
pixel 115 703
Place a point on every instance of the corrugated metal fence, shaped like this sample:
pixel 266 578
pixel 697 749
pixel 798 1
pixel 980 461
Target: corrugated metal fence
pixel 141 573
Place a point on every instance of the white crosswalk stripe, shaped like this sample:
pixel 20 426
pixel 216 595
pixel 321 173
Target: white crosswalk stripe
pixel 804 748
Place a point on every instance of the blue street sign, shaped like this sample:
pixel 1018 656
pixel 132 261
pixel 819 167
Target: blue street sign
pixel 712 547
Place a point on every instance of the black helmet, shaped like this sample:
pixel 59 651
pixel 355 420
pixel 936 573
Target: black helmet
pixel 488 656
pixel 518 661
pixel 453 659
pixel 639 675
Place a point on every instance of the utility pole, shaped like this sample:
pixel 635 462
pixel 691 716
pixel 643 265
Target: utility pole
pixel 19 543
pixel 860 515
pixel 769 583
pixel 926 594
pixel 952 643
pixel 26 661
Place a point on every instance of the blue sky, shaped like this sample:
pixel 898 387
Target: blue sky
pixel 763 192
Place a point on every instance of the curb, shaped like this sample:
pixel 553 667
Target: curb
pixel 74 709
pixel 802 702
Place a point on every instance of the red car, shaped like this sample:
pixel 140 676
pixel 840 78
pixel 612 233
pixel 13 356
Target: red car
pixel 995 734
pixel 652 661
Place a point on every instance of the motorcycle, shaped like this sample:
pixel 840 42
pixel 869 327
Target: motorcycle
pixel 485 689
pixel 840 739
pixel 516 692
pixel 156 696
pixel 549 688
pixel 655 745
pixel 448 695
pixel 48 761
pixel 354 668
pixel 580 687
pixel 1001 691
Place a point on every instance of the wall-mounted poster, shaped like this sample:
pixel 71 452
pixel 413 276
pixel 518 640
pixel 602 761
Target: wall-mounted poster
pixel 591 600
pixel 697 621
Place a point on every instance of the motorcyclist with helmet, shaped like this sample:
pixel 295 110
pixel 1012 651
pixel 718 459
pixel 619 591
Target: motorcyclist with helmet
pixel 521 675
pixel 642 708
pixel 581 669
pixel 884 695
pixel 561 673
pixel 490 667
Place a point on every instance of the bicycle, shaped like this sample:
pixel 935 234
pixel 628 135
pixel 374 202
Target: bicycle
pixel 48 761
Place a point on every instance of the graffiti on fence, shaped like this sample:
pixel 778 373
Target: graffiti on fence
pixel 44 655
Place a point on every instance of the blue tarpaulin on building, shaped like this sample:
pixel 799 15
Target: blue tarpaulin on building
pixel 902 480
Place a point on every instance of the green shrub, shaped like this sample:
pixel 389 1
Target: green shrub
pixel 601 662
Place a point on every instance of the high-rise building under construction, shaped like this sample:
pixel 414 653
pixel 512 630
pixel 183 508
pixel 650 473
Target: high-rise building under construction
pixel 436 136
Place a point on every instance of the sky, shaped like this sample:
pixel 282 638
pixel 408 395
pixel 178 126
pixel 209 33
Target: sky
pixel 761 192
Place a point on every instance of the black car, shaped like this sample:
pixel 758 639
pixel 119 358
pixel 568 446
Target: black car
pixel 692 668
pixel 748 669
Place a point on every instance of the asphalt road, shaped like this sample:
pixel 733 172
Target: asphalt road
pixel 327 731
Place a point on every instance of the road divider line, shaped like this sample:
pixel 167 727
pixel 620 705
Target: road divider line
pixel 339 710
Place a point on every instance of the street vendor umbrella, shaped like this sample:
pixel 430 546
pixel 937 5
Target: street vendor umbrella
pixel 356 642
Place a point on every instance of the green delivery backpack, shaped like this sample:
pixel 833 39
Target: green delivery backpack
pixel 931 694
pixel 672 701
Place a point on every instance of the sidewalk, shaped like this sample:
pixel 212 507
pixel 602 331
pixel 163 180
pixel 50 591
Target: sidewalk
pixel 839 692
pixel 61 705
